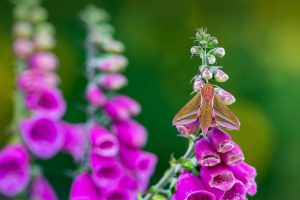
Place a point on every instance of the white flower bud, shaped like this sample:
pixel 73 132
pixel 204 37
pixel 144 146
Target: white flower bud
pixel 219 52
pixel 198 83
pixel 22 29
pixel 195 50
pixel 212 42
pixel 220 76
pixel 211 59
pixel 225 96
pixel 206 73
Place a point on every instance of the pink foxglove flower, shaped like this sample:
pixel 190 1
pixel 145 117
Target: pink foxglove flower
pixel 23 48
pixel 41 189
pixel 205 154
pixel 29 80
pixel 130 133
pixel 14 169
pixel 95 96
pixel 112 81
pixel 111 63
pixel 191 187
pixel 220 177
pixel 83 187
pixel 74 140
pixel 43 61
pixel 220 140
pixel 234 156
pixel 104 144
pixel 105 171
pixel 43 136
pixel 47 101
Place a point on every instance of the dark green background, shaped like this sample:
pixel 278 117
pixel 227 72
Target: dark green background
pixel 261 38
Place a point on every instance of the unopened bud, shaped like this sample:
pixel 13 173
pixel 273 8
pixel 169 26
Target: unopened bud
pixel 219 52
pixel 206 73
pixel 38 14
pixel 195 50
pixel 113 46
pixel 198 83
pixel 220 76
pixel 212 42
pixel 225 96
pixel 203 43
pixel 45 28
pixel 44 41
pixel 22 29
pixel 211 59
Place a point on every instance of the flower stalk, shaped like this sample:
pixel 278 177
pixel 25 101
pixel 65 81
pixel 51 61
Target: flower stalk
pixel 208 168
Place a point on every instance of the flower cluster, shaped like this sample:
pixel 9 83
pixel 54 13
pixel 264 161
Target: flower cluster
pixel 119 169
pixel 39 106
pixel 223 174
pixel 213 167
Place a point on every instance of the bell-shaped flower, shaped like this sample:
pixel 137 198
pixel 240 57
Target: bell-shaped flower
pixel 130 133
pixel 219 176
pixel 41 189
pixel 234 156
pixel 191 187
pixel 74 142
pixel 14 169
pixel 220 140
pixel 47 101
pixel 83 187
pixel 104 143
pixel 205 154
pixel 42 135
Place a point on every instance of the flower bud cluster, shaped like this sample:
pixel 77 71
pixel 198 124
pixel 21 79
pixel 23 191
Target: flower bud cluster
pixel 208 51
pixel 223 174
pixel 119 168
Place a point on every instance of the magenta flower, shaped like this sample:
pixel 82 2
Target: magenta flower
pixel 83 188
pixel 47 101
pixel 23 48
pixel 74 142
pixel 42 135
pixel 116 111
pixel 132 106
pixel 226 97
pixel 220 140
pixel 95 96
pixel 188 127
pixel 191 187
pixel 43 61
pixel 30 80
pixel 128 181
pixel 105 171
pixel 112 81
pixel 119 193
pixel 234 156
pixel 41 189
pixel 219 176
pixel 14 169
pixel 238 191
pixel 246 174
pixel 111 63
pixel 130 133
pixel 137 160
pixel 205 154
pixel 104 143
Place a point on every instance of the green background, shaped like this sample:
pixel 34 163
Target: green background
pixel 261 38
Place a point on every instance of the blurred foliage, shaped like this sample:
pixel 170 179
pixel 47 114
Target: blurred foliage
pixel 262 46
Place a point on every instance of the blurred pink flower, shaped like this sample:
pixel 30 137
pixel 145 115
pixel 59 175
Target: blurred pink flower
pixel 14 169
